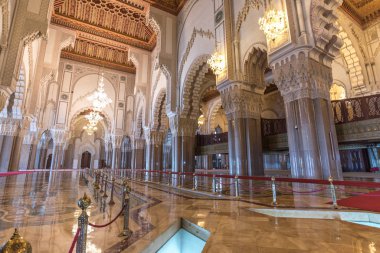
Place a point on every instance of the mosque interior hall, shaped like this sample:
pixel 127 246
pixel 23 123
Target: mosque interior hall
pixel 189 126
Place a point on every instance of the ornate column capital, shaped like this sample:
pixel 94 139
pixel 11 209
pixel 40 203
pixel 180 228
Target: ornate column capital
pixel 240 101
pixel 59 136
pixel 154 137
pixel 303 77
pixel 187 127
pixel 173 122
pixel 9 126
pixel 29 138
pixel 138 143
pixel 116 141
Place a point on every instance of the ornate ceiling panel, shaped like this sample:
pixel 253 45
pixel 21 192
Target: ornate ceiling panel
pixel 123 21
pixel 172 6
pixel 363 11
pixel 101 52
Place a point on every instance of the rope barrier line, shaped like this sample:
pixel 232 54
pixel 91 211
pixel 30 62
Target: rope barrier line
pixel 109 223
pixel 74 241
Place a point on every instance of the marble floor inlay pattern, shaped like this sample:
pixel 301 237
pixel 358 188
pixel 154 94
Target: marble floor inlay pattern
pixel 43 206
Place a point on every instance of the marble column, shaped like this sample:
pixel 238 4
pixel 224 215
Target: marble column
pixel 156 139
pixel 187 128
pixel 116 150
pixel 313 146
pixel 59 141
pixel 138 154
pixel 243 108
pixel 57 157
pixel 9 132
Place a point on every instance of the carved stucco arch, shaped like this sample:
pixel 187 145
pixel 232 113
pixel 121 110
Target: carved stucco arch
pixel 190 94
pixel 323 16
pixel 158 111
pixel 106 118
pixel 212 114
pixel 255 62
pixel 352 61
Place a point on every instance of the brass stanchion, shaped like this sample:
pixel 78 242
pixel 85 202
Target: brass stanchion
pixel 333 193
pixel 102 183
pixel 83 204
pixel 126 200
pixel 274 203
pixel 16 244
pixel 213 184
pixel 111 202
pixel 236 186
pixel 195 182
pixel 105 188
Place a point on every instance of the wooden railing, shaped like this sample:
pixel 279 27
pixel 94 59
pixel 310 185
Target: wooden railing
pixel 345 111
pixel 356 109
pixel 273 126
pixel 212 139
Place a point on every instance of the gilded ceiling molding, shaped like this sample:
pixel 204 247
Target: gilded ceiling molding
pixel 248 5
pixel 196 32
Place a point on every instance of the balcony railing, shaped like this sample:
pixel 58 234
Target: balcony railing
pixel 212 139
pixel 345 111
pixel 356 109
pixel 273 126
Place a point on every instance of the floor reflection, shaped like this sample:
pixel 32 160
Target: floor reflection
pixel 43 205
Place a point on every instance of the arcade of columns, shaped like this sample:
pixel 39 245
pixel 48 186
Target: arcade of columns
pixel 300 66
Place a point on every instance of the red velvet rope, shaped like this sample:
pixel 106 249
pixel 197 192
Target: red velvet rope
pixel 109 223
pixel 74 241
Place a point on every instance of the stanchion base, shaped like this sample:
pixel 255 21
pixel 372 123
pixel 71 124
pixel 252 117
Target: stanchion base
pixel 105 196
pixel 111 202
pixel 126 233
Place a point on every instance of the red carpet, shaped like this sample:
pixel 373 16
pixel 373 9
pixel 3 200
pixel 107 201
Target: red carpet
pixel 368 202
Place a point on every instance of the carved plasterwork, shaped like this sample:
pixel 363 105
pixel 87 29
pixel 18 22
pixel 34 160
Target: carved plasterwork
pixel 59 136
pixel 159 112
pixel 303 77
pixel 96 53
pixel 116 141
pixel 154 137
pixel 192 87
pixel 240 103
pixel 122 21
pixel 196 32
pixel 365 12
pixel 9 127
pixel 325 30
pixel 171 6
pixel 248 5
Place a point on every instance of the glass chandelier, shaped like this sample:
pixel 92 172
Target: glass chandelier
pixel 93 117
pixel 217 62
pixel 273 24
pixel 99 98
pixel 90 129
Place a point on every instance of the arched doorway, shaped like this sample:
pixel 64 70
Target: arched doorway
pixel 86 160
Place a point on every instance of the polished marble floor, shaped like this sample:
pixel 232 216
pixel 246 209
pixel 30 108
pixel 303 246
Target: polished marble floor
pixel 43 206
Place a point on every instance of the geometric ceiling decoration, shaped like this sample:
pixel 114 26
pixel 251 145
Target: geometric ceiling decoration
pixel 362 11
pixel 123 21
pixel 105 30
pixel 171 6
pixel 100 52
